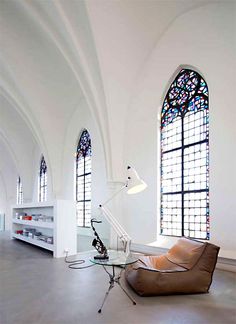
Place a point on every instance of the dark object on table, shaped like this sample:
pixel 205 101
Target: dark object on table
pixel 98 244
pixel 187 268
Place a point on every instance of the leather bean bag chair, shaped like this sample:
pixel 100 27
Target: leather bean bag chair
pixel 185 269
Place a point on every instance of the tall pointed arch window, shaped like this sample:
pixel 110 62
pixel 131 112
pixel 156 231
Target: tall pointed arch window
pixel 42 180
pixel 185 158
pixel 19 192
pixel 83 180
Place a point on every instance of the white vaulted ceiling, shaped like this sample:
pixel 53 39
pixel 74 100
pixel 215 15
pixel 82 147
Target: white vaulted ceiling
pixel 125 33
pixel 56 53
pixel 48 66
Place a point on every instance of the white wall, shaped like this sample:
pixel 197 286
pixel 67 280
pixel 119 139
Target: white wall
pixel 81 119
pixel 3 195
pixel 204 39
pixel 8 178
pixel 27 154
pixel 16 147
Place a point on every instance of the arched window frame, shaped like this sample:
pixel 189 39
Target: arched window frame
pixel 184 161
pixel 42 191
pixel 83 180
pixel 19 191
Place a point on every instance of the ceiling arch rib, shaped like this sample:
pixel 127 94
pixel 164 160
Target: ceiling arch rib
pixel 55 19
pixel 13 94
pixel 7 148
pixel 17 143
pixel 8 173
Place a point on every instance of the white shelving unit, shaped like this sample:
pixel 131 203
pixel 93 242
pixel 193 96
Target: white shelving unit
pixel 63 228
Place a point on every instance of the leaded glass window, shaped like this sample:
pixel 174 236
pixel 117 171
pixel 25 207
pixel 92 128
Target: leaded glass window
pixel 185 158
pixel 43 180
pixel 19 192
pixel 83 180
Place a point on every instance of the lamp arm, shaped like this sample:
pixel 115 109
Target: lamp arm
pixel 113 221
pixel 122 234
pixel 110 218
pixel 134 185
pixel 115 194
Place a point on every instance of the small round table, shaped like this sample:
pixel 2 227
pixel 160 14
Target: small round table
pixel 116 259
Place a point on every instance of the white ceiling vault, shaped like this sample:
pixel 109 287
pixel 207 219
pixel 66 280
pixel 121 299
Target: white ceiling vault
pixel 125 33
pixel 56 53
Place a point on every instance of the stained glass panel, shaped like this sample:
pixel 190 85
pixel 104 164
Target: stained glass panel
pixel 19 192
pixel 83 180
pixel 43 180
pixel 185 158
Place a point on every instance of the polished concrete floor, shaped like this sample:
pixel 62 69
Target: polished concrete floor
pixel 38 289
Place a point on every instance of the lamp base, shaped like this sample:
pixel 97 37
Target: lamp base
pixel 101 257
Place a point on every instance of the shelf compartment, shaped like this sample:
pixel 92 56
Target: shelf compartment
pixel 40 243
pixel 34 223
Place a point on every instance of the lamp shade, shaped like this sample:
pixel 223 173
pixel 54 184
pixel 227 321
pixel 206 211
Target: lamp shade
pixel 135 184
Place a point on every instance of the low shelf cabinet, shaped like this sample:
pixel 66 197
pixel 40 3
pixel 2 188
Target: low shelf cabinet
pixel 57 219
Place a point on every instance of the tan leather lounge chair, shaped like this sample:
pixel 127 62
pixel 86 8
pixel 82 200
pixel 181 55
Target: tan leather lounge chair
pixel 185 269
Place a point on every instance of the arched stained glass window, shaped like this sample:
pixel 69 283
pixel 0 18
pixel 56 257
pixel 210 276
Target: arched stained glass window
pixel 43 180
pixel 185 158
pixel 19 192
pixel 83 180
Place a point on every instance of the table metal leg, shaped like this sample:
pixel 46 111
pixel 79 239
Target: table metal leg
pixel 128 295
pixel 106 295
pixel 112 281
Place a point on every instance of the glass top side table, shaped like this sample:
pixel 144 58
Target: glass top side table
pixel 116 259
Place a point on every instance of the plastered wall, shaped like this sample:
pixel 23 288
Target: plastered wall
pixel 204 40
